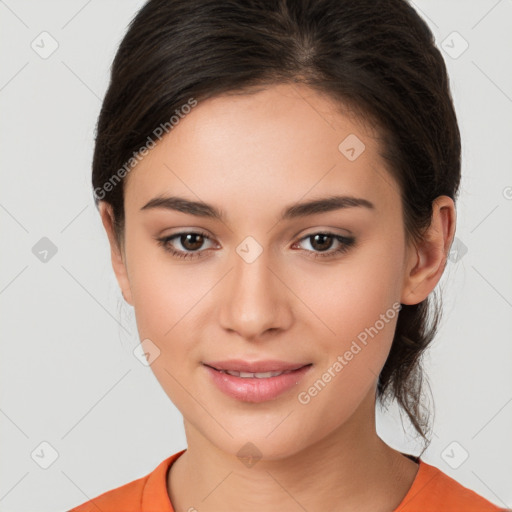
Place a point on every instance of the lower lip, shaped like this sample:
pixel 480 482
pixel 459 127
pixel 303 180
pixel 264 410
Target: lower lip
pixel 252 389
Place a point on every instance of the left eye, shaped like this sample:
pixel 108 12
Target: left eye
pixel 322 242
pixel 192 242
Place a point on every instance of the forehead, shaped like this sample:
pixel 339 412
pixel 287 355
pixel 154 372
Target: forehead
pixel 255 150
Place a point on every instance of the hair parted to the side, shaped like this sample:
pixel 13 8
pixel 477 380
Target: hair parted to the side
pixel 376 57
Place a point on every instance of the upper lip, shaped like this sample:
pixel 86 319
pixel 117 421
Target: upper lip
pixel 270 365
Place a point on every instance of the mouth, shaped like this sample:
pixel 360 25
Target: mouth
pixel 256 375
pixel 257 381
pixel 241 367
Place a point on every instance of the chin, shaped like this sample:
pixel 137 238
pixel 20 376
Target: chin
pixel 255 444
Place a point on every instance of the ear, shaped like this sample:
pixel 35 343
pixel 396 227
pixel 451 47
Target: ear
pixel 427 258
pixel 116 252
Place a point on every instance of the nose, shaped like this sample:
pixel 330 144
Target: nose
pixel 254 299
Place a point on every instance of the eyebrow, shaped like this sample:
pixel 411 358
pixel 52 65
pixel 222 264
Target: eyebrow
pixel 315 206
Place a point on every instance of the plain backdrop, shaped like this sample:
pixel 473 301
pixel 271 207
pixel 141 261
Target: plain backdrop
pixel 79 413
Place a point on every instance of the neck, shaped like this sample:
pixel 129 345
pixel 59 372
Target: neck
pixel 350 469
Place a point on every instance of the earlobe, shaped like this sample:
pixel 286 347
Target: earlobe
pixel 116 252
pixel 428 256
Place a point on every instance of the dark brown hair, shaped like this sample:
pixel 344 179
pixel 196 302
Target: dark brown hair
pixel 376 56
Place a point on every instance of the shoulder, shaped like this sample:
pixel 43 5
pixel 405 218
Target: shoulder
pixel 149 490
pixel 128 496
pixel 433 490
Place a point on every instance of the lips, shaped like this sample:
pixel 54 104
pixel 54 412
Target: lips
pixel 255 375
pixel 255 367
pixel 257 381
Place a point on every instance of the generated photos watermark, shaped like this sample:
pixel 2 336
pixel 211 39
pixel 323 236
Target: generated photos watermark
pixel 343 360
pixel 137 156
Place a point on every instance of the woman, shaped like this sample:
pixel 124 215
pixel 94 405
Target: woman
pixel 277 182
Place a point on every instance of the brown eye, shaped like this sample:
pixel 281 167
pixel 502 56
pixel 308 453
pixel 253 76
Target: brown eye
pixel 187 244
pixel 321 244
pixel 192 241
pixel 321 241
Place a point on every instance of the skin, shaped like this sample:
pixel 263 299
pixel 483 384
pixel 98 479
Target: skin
pixel 250 156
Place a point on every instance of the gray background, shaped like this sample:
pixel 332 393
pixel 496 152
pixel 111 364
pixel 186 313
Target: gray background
pixel 68 374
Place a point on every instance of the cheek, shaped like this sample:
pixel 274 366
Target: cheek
pixel 350 362
pixel 166 298
pixel 156 305
pixel 162 289
pixel 358 305
pixel 351 296
pixel 170 300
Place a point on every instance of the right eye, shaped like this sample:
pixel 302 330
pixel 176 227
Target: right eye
pixel 190 241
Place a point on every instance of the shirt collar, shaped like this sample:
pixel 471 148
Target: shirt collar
pixel 154 495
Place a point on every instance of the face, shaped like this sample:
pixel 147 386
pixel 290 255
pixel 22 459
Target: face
pixel 316 288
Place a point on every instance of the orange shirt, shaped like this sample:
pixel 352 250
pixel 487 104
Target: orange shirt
pixel 431 491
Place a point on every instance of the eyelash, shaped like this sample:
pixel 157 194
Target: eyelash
pixel 346 244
